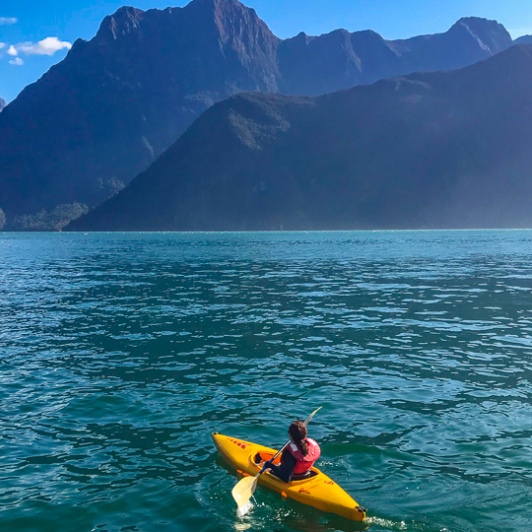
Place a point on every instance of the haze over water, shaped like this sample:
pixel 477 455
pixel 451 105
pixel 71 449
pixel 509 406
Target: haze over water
pixel 122 353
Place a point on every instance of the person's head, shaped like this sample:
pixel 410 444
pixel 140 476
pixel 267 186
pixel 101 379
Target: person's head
pixel 298 433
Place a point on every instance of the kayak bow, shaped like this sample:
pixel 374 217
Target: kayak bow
pixel 316 489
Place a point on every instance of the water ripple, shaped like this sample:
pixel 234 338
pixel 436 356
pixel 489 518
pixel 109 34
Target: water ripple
pixel 122 353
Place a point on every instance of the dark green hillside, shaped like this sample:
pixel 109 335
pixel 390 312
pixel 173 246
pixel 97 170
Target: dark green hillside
pixel 447 149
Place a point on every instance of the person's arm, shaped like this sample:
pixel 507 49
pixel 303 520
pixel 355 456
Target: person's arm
pixel 288 463
pixel 284 471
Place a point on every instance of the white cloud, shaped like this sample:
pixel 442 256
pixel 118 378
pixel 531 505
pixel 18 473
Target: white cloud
pixel 6 21
pixel 48 46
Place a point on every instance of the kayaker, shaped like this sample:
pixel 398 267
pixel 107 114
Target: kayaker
pixel 298 456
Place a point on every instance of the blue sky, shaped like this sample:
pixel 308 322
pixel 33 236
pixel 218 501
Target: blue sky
pixel 35 34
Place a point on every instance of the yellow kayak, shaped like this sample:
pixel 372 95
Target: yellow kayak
pixel 315 489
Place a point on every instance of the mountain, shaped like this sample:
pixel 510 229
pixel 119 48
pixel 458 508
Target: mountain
pixel 525 39
pixel 430 150
pixel 340 60
pixel 2 104
pixel 116 102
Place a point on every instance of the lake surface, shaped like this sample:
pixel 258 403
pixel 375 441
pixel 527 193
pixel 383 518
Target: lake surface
pixel 120 354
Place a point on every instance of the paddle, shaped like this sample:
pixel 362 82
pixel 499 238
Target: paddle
pixel 244 489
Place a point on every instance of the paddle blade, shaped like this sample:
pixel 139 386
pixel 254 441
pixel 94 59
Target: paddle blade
pixel 243 490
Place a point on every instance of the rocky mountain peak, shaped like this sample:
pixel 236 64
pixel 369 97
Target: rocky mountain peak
pixel 489 34
pixel 124 21
pixel 234 34
pixel 229 16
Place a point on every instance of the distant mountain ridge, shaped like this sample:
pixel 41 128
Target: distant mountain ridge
pixel 340 60
pixel 430 150
pixel 116 102
pixel 525 39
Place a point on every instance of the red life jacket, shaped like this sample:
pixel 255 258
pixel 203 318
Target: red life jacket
pixel 304 463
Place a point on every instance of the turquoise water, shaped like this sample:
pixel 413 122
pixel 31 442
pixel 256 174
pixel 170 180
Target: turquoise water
pixel 121 353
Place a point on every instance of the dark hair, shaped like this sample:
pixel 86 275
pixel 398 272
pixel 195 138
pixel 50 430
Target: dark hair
pixel 298 433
